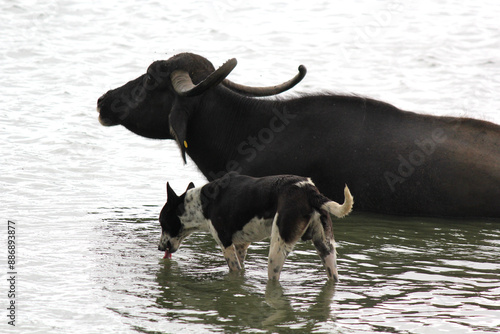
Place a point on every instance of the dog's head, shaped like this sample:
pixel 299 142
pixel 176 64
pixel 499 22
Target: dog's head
pixel 172 229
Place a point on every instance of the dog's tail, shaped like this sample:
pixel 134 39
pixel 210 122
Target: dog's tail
pixel 340 210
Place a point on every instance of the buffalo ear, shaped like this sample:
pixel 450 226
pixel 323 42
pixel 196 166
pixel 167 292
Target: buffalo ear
pixel 178 120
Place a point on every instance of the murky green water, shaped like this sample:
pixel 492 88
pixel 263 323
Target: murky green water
pixel 86 199
pixel 397 276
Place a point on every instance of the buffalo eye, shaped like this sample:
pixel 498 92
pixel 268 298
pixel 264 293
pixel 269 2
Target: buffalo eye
pixel 150 81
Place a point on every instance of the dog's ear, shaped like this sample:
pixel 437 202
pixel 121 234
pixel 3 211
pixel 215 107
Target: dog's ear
pixel 171 195
pixel 181 197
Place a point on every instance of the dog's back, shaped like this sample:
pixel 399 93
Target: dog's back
pixel 237 199
pixel 242 197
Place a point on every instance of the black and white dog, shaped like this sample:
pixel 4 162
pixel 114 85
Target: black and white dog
pixel 239 209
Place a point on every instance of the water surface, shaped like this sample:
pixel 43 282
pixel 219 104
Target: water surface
pixel 86 198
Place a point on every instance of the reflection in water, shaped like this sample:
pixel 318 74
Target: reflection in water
pixel 318 311
pixel 234 303
pixel 397 275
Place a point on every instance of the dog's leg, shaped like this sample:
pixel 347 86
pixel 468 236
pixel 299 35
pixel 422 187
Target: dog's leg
pixel 278 251
pixel 231 258
pixel 228 252
pixel 325 245
pixel 241 251
pixel 326 251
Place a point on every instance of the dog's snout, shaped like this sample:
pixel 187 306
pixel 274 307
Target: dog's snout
pixel 165 245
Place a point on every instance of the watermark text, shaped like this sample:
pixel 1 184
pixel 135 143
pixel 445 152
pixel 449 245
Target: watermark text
pixel 11 273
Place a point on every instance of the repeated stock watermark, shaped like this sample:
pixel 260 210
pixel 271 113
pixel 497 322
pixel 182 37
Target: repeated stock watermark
pixel 222 9
pixel 250 148
pixel 373 29
pixel 122 105
pixel 425 149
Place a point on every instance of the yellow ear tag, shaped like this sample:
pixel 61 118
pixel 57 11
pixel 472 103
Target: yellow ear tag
pixel 185 144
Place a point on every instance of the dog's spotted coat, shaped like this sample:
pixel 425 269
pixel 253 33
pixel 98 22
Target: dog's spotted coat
pixel 238 210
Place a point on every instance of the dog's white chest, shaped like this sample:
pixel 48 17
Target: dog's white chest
pixel 255 230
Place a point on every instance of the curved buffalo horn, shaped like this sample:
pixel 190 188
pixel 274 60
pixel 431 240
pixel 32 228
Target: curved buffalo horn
pixel 266 91
pixel 184 86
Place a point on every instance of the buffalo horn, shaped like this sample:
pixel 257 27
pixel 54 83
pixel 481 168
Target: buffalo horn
pixel 183 85
pixel 266 91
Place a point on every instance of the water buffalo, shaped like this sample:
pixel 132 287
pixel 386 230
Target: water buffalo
pixel 394 161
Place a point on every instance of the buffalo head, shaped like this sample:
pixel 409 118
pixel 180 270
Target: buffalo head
pixel 157 103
